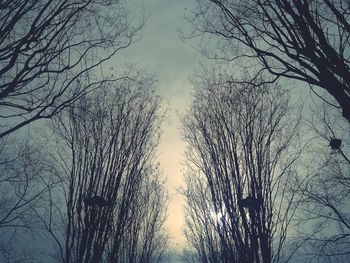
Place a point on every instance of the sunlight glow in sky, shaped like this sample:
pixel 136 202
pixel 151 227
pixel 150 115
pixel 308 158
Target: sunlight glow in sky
pixel 161 52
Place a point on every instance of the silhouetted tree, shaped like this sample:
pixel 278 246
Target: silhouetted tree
pixel 50 54
pixel 115 202
pixel 26 177
pixel 324 220
pixel 203 226
pixel 50 51
pixel 302 39
pixel 241 152
pixel 145 239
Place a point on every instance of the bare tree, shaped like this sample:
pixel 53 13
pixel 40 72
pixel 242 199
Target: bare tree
pixel 242 146
pixel 201 225
pixel 324 219
pixel 50 51
pixel 145 239
pixel 302 39
pixel 115 203
pixel 26 176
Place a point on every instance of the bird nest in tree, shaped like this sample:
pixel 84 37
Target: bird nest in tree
pixel 335 144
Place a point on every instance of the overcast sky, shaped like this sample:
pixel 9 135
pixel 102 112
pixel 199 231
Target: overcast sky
pixel 161 51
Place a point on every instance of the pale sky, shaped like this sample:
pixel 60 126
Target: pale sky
pixel 161 51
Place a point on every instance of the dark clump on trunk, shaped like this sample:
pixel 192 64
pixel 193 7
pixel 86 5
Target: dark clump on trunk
pixel 335 143
pixel 251 203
